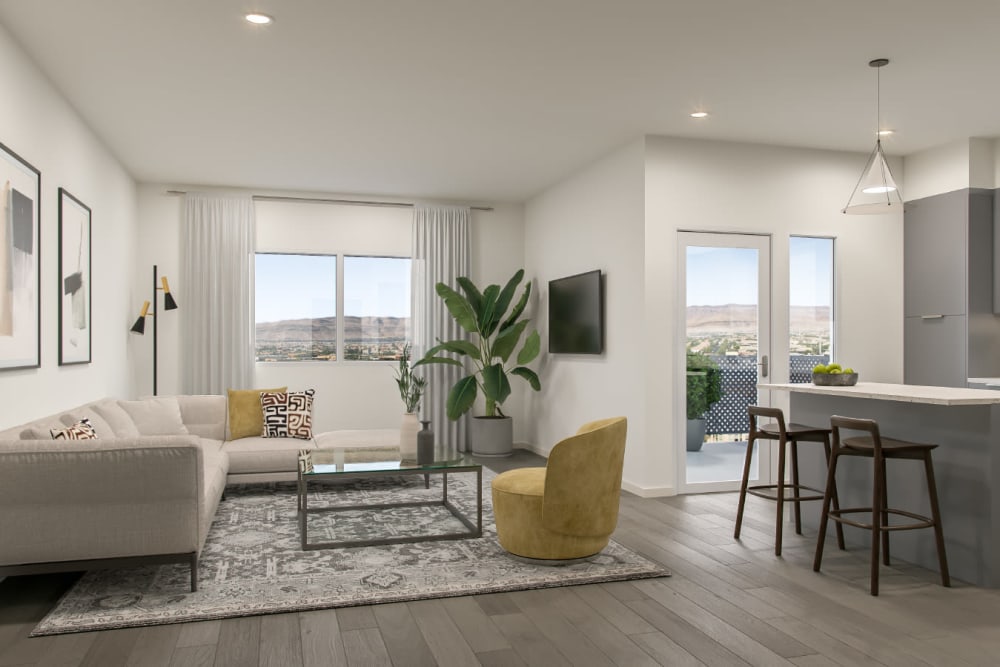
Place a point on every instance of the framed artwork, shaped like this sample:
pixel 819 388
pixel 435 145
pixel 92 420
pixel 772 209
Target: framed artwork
pixel 74 280
pixel 20 262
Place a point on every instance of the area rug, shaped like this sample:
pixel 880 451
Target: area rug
pixel 252 562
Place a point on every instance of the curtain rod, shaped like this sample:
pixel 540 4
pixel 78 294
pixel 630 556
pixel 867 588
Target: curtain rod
pixel 320 200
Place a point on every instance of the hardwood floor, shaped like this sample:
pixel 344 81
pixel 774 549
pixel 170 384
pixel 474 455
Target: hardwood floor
pixel 728 603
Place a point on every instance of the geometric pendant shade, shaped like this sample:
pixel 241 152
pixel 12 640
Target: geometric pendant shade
pixel 876 190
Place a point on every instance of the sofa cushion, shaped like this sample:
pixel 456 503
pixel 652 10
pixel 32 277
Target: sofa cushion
pixel 156 416
pixel 368 438
pixel 101 427
pixel 204 416
pixel 81 430
pixel 246 418
pixel 116 417
pixel 258 454
pixel 41 429
pixel 287 414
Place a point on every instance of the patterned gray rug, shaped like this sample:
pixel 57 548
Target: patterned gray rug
pixel 252 563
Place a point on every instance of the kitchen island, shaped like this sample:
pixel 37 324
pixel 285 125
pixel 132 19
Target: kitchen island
pixel 965 423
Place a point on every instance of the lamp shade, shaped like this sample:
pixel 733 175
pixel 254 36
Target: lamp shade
pixel 876 191
pixel 168 302
pixel 140 324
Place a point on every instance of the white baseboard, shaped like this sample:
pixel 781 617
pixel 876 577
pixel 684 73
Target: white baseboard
pixel 533 448
pixel 649 491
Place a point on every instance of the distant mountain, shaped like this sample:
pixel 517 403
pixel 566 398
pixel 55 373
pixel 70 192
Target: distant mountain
pixel 325 328
pixel 742 318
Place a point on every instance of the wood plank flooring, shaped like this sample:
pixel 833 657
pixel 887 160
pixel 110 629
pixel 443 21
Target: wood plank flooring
pixel 728 603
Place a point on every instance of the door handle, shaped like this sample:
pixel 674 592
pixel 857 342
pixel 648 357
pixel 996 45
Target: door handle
pixel 763 366
pixel 932 317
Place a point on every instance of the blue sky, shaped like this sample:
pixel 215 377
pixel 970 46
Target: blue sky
pixel 717 276
pixel 301 286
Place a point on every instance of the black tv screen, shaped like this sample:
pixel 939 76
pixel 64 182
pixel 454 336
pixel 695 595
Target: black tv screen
pixel 576 314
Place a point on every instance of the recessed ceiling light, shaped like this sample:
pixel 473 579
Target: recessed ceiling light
pixel 259 19
pixel 885 133
pixel 699 114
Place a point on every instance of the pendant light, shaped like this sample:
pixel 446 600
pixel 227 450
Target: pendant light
pixel 876 191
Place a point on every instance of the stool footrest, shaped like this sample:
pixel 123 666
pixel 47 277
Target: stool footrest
pixel 922 521
pixel 761 492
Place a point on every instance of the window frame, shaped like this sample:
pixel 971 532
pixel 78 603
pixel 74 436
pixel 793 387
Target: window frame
pixel 833 293
pixel 340 258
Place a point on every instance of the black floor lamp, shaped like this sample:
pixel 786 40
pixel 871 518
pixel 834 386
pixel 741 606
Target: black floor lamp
pixel 140 324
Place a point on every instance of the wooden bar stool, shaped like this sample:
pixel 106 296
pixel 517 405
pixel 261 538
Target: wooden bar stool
pixel 792 434
pixel 879 449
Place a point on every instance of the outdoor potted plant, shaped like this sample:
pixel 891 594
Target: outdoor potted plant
pixel 704 389
pixel 411 389
pixel 495 337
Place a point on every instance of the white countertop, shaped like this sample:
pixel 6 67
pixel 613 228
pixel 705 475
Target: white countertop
pixel 990 382
pixel 907 393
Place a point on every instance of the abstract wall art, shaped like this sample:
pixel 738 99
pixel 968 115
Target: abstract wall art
pixel 20 262
pixel 74 281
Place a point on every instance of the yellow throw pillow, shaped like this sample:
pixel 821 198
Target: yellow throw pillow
pixel 246 417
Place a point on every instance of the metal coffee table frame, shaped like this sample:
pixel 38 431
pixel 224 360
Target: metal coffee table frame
pixel 474 529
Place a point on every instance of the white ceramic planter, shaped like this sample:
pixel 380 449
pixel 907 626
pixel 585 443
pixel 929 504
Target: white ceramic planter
pixel 408 436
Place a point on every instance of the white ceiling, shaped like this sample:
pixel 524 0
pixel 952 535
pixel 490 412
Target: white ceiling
pixel 494 101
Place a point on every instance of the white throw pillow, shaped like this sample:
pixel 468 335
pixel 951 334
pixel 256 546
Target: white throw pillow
pixel 102 429
pixel 156 416
pixel 116 417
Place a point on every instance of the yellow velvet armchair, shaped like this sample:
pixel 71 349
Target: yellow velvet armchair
pixel 569 508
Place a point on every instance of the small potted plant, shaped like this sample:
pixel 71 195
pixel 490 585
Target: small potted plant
pixel 411 390
pixel 704 389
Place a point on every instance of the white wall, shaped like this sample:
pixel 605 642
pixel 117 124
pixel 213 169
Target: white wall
pixel 593 220
pixel 348 394
pixel 731 187
pixel 41 127
pixel 622 215
pixel 966 163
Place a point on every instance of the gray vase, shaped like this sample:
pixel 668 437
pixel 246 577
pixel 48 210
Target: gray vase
pixel 491 436
pixel 425 444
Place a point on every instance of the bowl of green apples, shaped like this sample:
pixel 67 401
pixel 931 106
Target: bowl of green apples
pixel 833 375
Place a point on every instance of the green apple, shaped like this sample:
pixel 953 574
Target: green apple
pixel 820 368
pixel 831 367
pixel 835 371
pixel 848 370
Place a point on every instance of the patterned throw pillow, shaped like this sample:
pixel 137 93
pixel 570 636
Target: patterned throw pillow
pixel 287 414
pixel 82 430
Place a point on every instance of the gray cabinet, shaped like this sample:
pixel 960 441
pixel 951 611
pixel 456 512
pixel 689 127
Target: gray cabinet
pixel 935 351
pixel 935 255
pixel 950 331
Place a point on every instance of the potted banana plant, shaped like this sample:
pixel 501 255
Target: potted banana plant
pixel 490 355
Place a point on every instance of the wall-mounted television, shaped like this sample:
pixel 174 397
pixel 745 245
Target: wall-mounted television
pixel 576 314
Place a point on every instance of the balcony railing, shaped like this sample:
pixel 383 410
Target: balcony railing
pixel 739 389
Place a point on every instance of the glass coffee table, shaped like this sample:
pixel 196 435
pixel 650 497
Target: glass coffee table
pixel 326 466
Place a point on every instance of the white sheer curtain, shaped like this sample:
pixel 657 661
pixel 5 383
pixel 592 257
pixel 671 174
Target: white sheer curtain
pixel 217 253
pixel 441 249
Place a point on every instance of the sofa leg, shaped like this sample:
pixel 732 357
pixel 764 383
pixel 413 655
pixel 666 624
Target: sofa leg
pixel 194 573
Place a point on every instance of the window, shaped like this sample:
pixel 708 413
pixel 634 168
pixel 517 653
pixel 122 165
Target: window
pixel 376 307
pixel 295 307
pixel 305 313
pixel 810 299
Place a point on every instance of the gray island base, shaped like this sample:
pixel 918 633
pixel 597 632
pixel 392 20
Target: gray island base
pixel 965 423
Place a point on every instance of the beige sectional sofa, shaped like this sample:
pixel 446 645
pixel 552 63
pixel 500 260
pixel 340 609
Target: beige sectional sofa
pixel 145 491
